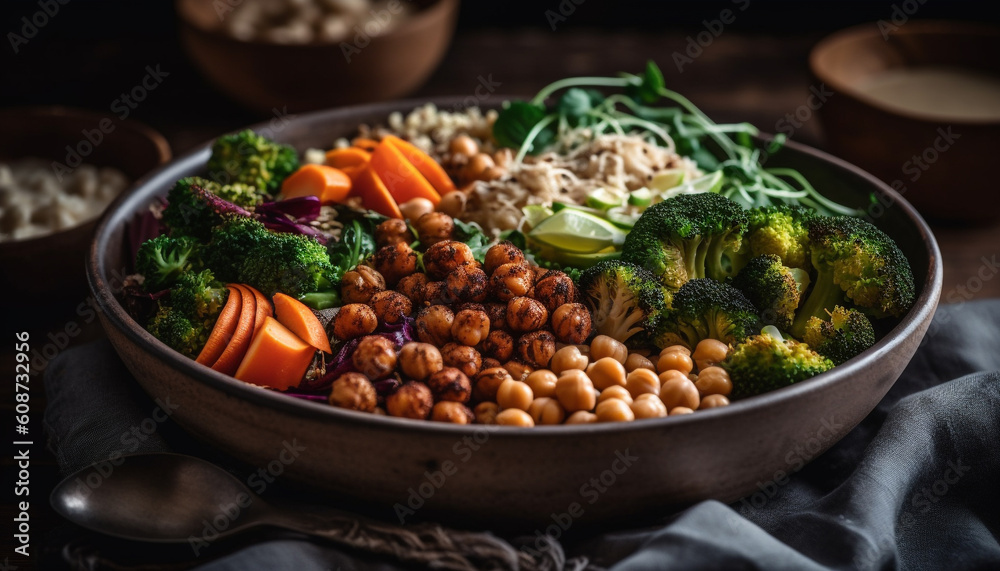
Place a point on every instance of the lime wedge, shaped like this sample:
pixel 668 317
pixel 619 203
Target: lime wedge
pixel 557 206
pixel 623 217
pixel 641 197
pixel 575 231
pixel 711 182
pixel 603 199
pixel 667 179
pixel 534 214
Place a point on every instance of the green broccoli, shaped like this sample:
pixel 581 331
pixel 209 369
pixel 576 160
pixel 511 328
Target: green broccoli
pixel 164 259
pixel 249 158
pixel 688 237
pixel 847 333
pixel 185 319
pixel 198 294
pixel 193 207
pixel 622 297
pixel 772 288
pixel 764 363
pixel 854 258
pixel 178 331
pixel 782 230
pixel 706 309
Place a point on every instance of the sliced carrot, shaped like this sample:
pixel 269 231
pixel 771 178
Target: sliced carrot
pixel 230 358
pixel 277 358
pixel 347 157
pixel 353 173
pixel 225 325
pixel 363 143
pixel 427 166
pixel 298 318
pixel 402 179
pixel 375 196
pixel 263 310
pixel 324 182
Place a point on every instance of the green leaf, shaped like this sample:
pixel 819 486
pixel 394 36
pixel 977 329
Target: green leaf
pixel 576 104
pixel 515 121
pixel 650 86
pixel 474 237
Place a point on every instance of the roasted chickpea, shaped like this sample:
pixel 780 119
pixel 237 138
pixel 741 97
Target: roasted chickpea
pixel 434 325
pixel 391 306
pixel 545 410
pixel 434 227
pixel 714 381
pixel 536 348
pixel 467 283
pixel 555 289
pixel 353 391
pixel 542 383
pixel 477 165
pixel 486 412
pixel 453 412
pixel 415 208
pixel 511 280
pixel 375 357
pixel 359 284
pixel 571 323
pixel 395 262
pixel 502 253
pixel 491 363
pixel 412 400
pixel 471 305
pixel 446 256
pixel 393 231
pixel 515 417
pixel 518 371
pixel 677 392
pixel 604 346
pixel 514 394
pixel 414 287
pixel 503 157
pixel 569 357
pixel 614 410
pixel 649 407
pixel 497 312
pixel 538 272
pixel 354 320
pixel 636 361
pixel 498 344
pixel 606 372
pixel 713 401
pixel 470 327
pixel 680 410
pixel 642 381
pixel 677 348
pixel 463 145
pixel 462 357
pixel 450 384
pixel 437 293
pixel 582 417
pixel 453 203
pixel 676 361
pixel 419 361
pixel 525 314
pixel 575 391
pixel 487 383
pixel 709 352
pixel 615 392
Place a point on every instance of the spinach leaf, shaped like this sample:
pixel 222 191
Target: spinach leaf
pixel 474 237
pixel 514 123
pixel 650 85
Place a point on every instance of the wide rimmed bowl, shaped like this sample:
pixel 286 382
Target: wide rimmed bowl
pixel 491 475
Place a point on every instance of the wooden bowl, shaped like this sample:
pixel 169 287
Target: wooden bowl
pixel 958 183
pixel 269 77
pixel 37 267
pixel 501 475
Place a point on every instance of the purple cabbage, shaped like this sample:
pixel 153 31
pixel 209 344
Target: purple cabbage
pixel 340 363
pixel 217 204
pixel 292 216
pixel 144 226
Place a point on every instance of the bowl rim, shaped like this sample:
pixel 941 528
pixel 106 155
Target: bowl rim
pixel 821 51
pixel 115 314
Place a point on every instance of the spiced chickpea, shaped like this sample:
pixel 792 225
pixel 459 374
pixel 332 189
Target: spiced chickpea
pixel 437 293
pixel 514 394
pixel 446 256
pixel 677 392
pixel 614 410
pixel 391 306
pixel 502 253
pixel 414 287
pixel 470 327
pixel 636 361
pixel 575 391
pixel 515 417
pixel 462 357
pixel 467 283
pixel 353 391
pixel 615 392
pixel 709 352
pixel 714 381
pixel 434 227
pixel 450 384
pixel 518 371
pixel 542 383
pixel 497 312
pixel 469 305
pixel 649 407
pixel 555 289
pixel 487 383
pixel 375 357
pixel 412 400
pixel 434 323
pixel 490 363
pixel 511 280
pixel 569 357
pixel 581 417
pixel 546 410
pixel 452 412
pixel 525 314
pixel 536 348
pixel 538 272
pixel 498 344
pixel 395 262
pixel 419 361
pixel 393 231
pixel 713 401
pixel 606 372
pixel 642 381
pixel 486 412
pixel 571 323
pixel 359 284
pixel 354 320
pixel 604 346
pixel 674 360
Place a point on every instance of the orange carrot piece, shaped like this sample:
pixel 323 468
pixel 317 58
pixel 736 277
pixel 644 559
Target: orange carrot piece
pixel 263 310
pixel 353 173
pixel 300 320
pixel 427 166
pixel 233 354
pixel 375 196
pixel 277 358
pixel 324 182
pixel 347 157
pixel 402 179
pixel 223 330
pixel 363 143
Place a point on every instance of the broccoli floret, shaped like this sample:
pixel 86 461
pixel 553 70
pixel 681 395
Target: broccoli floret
pixel 198 294
pixel 854 258
pixel 706 309
pixel 622 296
pixel 186 317
pixel 243 250
pixel 178 331
pixel 781 230
pixel 193 208
pixel 688 237
pixel 764 363
pixel 164 259
pixel 772 288
pixel 847 333
pixel 249 158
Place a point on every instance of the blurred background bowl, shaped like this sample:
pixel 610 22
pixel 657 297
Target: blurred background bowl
pixel 958 184
pixel 265 76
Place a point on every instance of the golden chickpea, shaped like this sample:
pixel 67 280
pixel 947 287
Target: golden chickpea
pixel 375 357
pixel 556 289
pixel 434 323
pixel 419 361
pixel 542 383
pixel 525 314
pixel 463 145
pixel 478 164
pixel 488 382
pixel 518 371
pixel 445 257
pixel 514 394
pixel 575 391
pixel 680 410
pixel 497 312
pixel 678 348
pixel 412 400
pixel 515 417
pixel 614 410
pixel 450 384
pixel 502 253
pixel 453 203
pixel 453 412
pixel 490 363
pixel 492 173
pixel 380 411
pixel 393 231
pixel 637 361
pixel 354 320
pixel 713 401
pixel 569 357
pixel 395 262
pixel 498 344
pixel 467 283
pixel 603 346
pixel 470 327
pixel 605 372
pixel 615 392
pixel 414 287
pixel 390 306
pixel 462 357
pixel 709 352
pixel 415 208
pixel 503 157
pixel 714 381
pixel 434 227
pixel 669 374
pixel 511 280
pixel 582 417
pixel 359 284
pixel 545 410
pixel 571 323
pixel 649 407
pixel 536 348
pixel 486 412
pixel 353 391
pixel 642 381
pixel 679 392
pixel 676 361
